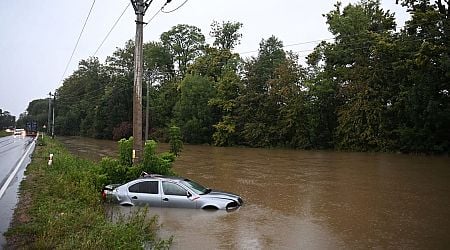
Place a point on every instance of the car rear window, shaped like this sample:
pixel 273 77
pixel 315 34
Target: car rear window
pixel 148 187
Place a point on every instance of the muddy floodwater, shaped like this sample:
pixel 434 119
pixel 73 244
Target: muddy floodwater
pixel 307 199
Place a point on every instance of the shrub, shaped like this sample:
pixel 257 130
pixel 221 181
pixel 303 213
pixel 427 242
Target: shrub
pixel 126 151
pixel 111 171
pixel 176 144
pixel 154 163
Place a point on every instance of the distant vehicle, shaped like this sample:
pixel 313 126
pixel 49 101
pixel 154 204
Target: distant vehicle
pixel 165 191
pixel 19 131
pixel 31 128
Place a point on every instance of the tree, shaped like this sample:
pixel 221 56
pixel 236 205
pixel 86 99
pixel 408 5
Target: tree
pixel 226 35
pixel 192 112
pixel 423 5
pixel 322 99
pixel 6 119
pixel 363 42
pixel 37 111
pixel 185 43
pixel 256 113
pixel 79 101
pixel 286 92
pixel 423 102
pixel 158 61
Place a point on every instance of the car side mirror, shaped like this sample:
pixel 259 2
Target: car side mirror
pixel 189 195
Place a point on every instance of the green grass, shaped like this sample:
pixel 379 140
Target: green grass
pixel 3 133
pixel 61 208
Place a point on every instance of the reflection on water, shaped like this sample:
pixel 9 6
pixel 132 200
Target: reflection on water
pixel 310 199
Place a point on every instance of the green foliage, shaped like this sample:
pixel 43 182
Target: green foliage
pixel 122 170
pixel 257 109
pixel 185 43
pixel 37 110
pixel 154 163
pixel 4 133
pixel 112 171
pixel 6 120
pixel 175 140
pixel 226 34
pixel 158 60
pixel 126 152
pixel 192 112
pixel 225 132
pixel 371 89
pixel 66 211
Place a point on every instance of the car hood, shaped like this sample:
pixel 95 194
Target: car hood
pixel 222 195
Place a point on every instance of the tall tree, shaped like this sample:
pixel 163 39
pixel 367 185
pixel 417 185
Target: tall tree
pixel 424 100
pixel 185 42
pixel 79 99
pixel 221 67
pixel 192 113
pixel 226 35
pixel 363 32
pixel 6 119
pixel 256 111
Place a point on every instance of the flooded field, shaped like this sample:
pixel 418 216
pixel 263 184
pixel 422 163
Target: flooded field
pixel 307 199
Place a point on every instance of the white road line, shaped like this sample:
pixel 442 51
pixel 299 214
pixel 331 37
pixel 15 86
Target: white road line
pixel 10 178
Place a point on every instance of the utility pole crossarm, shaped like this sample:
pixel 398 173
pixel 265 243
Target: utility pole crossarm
pixel 140 7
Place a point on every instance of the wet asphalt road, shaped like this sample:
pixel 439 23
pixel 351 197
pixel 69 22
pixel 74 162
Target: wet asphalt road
pixel 14 157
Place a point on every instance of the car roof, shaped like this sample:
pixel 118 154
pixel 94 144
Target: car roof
pixel 162 177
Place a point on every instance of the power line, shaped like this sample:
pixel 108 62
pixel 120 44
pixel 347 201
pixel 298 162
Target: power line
pixel 78 40
pixel 170 11
pixel 74 98
pixel 159 11
pixel 341 37
pixel 112 28
pixel 354 46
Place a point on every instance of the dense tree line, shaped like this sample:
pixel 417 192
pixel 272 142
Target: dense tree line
pixel 37 111
pixel 6 119
pixel 371 89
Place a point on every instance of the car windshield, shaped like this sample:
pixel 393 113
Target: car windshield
pixel 197 188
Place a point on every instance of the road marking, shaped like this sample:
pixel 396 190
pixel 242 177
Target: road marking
pixel 10 178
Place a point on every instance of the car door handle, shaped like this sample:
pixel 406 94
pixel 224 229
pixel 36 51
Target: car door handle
pixel 165 199
pixel 134 197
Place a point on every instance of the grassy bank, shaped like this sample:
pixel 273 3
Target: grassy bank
pixel 60 207
pixel 4 133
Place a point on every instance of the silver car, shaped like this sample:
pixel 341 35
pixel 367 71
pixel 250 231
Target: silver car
pixel 165 191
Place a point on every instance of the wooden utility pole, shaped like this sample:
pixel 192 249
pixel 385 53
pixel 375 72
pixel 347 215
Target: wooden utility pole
pixel 140 7
pixel 53 115
pixel 150 78
pixel 146 109
pixel 49 112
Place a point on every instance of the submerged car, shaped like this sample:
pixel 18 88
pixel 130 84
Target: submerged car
pixel 168 191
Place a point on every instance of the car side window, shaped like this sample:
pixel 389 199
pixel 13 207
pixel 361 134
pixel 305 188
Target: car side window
pixel 173 189
pixel 147 187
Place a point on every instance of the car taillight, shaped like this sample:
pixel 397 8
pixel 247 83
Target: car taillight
pixel 103 195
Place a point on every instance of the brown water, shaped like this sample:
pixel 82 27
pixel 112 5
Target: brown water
pixel 308 199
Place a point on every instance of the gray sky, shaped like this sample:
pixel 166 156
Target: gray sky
pixel 37 37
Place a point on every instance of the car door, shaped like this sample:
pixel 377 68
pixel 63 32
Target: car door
pixel 176 196
pixel 145 192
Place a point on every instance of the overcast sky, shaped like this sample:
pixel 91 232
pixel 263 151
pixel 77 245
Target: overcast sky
pixel 37 37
